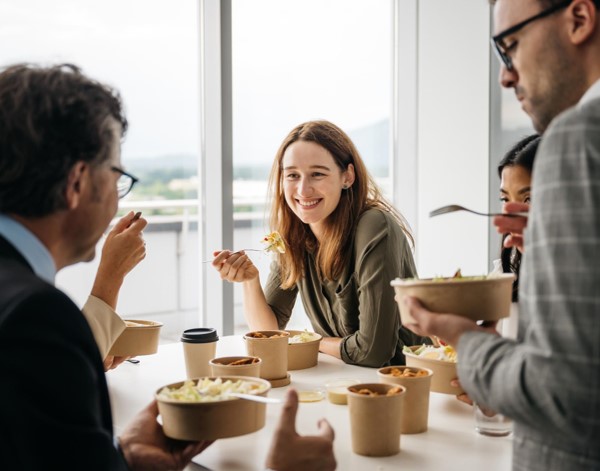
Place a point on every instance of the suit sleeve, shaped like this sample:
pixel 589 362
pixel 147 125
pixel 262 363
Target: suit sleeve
pixel 549 378
pixel 54 406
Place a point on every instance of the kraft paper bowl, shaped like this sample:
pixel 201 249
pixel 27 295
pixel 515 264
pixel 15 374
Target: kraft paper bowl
pixel 477 298
pixel 443 372
pixel 212 420
pixel 223 367
pixel 375 421
pixel 272 349
pixel 139 338
pixel 304 354
pixel 415 416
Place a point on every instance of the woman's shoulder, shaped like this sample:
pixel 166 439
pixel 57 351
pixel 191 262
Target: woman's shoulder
pixel 373 220
pixel 375 224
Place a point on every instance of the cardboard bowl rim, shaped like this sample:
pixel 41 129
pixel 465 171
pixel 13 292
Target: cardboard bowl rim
pixel 146 324
pixel 433 360
pixel 370 385
pixel 210 403
pixel 310 342
pixel 246 337
pixel 429 370
pixel 426 282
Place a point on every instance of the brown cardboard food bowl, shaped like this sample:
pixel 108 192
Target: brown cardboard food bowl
pixel 443 372
pixel 375 421
pixel 272 349
pixel 139 338
pixel 415 416
pixel 223 366
pixel 212 420
pixel 477 298
pixel 303 355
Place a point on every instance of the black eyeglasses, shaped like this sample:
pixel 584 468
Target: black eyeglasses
pixel 125 182
pixel 498 41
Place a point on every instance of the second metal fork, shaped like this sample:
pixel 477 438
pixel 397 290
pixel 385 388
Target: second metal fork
pixel 455 207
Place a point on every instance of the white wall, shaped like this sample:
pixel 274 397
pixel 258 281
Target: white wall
pixel 452 134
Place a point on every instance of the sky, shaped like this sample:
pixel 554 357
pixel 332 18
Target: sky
pixel 294 60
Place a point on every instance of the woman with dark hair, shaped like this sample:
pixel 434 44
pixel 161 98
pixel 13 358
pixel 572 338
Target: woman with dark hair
pixel 515 170
pixel 344 244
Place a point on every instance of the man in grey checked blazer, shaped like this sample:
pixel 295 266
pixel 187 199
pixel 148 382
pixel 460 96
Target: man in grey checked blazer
pixel 548 380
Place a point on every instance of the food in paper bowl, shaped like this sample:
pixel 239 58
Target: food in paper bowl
pixel 139 338
pixel 303 349
pixel 271 346
pixel 201 409
pixel 236 366
pixel 440 360
pixel 484 298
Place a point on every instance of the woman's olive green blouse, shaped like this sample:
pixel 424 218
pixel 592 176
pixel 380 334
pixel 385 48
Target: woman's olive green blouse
pixel 359 307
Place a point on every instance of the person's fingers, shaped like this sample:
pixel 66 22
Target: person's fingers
pixel 122 223
pixel 139 225
pixel 326 430
pixel 505 224
pixel 152 408
pixel 513 240
pixel 287 419
pixel 415 307
pixel 220 257
pixel 464 397
pixel 107 363
pixel 515 207
pixel 194 449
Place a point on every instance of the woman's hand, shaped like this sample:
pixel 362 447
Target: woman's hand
pixel 234 266
pixel 514 226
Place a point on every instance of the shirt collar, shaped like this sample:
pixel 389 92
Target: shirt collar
pixel 591 93
pixel 29 246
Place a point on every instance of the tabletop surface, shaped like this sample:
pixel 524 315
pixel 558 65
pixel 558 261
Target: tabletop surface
pixel 451 443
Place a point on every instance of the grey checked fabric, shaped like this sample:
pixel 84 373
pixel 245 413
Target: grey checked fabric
pixel 548 381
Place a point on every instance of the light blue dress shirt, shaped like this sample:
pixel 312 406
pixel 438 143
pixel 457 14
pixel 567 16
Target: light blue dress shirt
pixel 30 247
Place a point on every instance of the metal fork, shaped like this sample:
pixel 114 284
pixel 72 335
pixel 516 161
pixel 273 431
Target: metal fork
pixel 455 207
pixel 238 251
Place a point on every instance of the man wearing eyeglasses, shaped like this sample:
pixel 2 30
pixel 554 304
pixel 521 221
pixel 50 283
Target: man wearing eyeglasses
pixel 548 380
pixel 60 181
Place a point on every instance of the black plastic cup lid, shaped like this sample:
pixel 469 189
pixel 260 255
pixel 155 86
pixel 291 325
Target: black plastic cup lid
pixel 200 335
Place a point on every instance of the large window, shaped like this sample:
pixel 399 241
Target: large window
pixel 296 61
pixel 148 49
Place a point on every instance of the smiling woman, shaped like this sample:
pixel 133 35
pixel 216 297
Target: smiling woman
pixel 344 243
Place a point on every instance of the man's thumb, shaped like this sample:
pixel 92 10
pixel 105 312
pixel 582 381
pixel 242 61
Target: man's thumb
pixel 287 420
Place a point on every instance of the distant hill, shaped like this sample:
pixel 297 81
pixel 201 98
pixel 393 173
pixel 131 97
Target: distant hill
pixel 185 162
pixel 373 143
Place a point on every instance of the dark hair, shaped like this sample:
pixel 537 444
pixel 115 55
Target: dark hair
pixel 50 118
pixel 522 154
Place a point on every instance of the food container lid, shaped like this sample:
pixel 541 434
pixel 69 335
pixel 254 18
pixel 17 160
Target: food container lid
pixel 200 335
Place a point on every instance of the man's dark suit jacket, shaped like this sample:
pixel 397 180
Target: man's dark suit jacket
pixel 54 405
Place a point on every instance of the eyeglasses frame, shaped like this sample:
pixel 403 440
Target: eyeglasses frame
pixel 134 180
pixel 497 40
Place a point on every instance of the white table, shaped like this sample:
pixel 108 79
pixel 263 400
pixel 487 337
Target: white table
pixel 451 442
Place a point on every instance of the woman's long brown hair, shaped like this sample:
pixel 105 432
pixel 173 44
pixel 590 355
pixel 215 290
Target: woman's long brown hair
pixel 334 252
